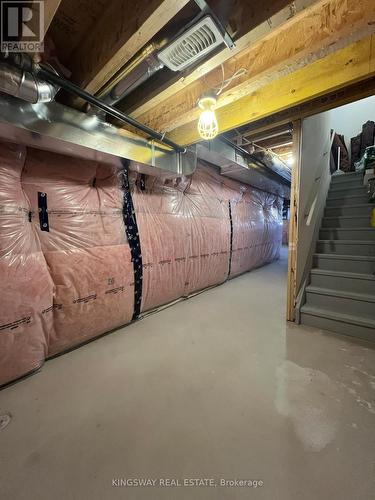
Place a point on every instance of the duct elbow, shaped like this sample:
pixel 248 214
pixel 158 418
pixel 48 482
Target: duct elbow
pixel 24 85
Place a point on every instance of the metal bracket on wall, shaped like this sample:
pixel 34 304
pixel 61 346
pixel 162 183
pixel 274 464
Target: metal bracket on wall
pixel 43 212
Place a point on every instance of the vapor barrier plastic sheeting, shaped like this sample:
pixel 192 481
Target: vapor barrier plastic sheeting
pixel 71 270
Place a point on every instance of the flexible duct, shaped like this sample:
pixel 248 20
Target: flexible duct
pixel 141 68
pixel 19 83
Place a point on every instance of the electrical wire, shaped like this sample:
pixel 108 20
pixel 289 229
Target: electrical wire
pixel 226 82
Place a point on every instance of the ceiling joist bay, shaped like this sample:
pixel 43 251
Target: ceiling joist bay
pixel 123 29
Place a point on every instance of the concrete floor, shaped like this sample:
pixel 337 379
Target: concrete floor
pixel 214 387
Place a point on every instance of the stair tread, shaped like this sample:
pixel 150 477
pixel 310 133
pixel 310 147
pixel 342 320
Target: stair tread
pixel 342 175
pixel 346 217
pixel 345 318
pixel 338 187
pixel 361 228
pixel 354 205
pixel 345 256
pixel 344 274
pixel 347 197
pixel 348 242
pixel 339 293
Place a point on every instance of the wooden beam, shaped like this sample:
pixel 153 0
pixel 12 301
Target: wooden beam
pixel 346 66
pixel 340 97
pixel 314 33
pixel 253 28
pixel 117 36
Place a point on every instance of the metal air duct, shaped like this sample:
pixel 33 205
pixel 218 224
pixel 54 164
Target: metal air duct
pixel 23 84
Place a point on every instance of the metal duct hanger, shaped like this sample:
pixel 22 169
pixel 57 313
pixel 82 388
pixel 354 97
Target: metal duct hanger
pixel 205 8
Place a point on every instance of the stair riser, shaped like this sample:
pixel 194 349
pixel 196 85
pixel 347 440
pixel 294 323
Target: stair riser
pixel 346 249
pixel 338 327
pixel 340 305
pixel 344 284
pixel 343 210
pixel 343 222
pixel 357 183
pixel 352 191
pixel 349 266
pixel 347 234
pixel 353 200
pixel 353 176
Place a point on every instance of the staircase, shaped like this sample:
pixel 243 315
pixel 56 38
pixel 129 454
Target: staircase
pixel 341 293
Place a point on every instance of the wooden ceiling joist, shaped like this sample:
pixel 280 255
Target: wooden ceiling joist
pixel 123 29
pixel 310 36
pixel 346 66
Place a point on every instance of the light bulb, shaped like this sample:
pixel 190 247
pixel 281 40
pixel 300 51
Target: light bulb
pixel 290 160
pixel 208 127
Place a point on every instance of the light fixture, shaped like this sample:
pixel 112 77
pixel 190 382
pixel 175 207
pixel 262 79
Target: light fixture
pixel 290 160
pixel 208 127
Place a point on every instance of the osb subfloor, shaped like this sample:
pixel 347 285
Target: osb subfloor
pixel 215 387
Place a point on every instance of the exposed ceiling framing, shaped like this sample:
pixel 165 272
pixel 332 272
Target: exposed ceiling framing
pixel 314 34
pixel 292 54
pixel 346 66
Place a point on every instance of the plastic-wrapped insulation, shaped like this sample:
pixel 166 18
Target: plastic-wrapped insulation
pixel 85 248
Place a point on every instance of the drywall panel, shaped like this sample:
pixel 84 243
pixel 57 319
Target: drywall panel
pixel 314 179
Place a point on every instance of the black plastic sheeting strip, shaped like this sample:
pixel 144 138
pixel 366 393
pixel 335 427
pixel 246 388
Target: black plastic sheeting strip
pixel 231 238
pixel 43 214
pixel 142 182
pixel 132 234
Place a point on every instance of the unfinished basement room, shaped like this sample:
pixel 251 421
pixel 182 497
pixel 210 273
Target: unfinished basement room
pixel 187 250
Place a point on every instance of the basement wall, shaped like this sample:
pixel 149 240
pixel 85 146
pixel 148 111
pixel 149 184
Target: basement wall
pixel 86 248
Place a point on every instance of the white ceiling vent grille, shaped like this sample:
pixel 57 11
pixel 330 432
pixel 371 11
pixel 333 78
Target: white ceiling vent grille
pixel 191 45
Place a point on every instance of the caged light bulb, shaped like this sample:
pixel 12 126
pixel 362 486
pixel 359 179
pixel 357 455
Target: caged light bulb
pixel 208 127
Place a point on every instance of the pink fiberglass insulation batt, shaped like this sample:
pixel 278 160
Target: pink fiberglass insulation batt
pixel 26 284
pixel 257 230
pixel 184 228
pixel 83 250
pixel 86 249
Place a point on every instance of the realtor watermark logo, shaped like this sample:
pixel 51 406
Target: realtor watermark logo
pixel 22 26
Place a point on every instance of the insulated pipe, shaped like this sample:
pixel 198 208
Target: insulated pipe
pixel 135 77
pixel 19 83
pixel 139 69
pixel 47 75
